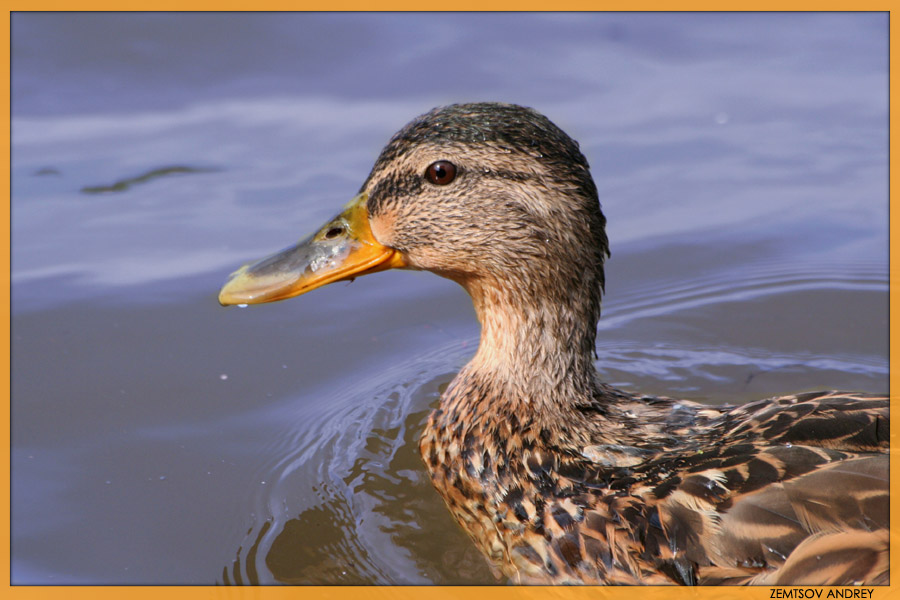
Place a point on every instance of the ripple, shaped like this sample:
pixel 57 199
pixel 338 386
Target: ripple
pixel 362 524
pixel 753 281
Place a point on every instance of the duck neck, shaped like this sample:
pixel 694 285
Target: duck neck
pixel 536 349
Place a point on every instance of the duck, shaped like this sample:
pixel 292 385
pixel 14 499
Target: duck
pixel 558 477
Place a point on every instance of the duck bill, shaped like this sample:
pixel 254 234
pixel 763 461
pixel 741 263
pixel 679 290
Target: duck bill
pixel 344 248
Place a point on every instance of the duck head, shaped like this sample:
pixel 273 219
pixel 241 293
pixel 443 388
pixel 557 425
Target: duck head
pixel 493 196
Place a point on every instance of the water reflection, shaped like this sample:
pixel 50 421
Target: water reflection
pixel 127 183
pixel 374 517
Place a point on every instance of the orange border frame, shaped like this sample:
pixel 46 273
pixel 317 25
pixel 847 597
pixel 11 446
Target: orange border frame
pixel 418 592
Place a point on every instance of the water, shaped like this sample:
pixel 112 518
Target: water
pixel 159 438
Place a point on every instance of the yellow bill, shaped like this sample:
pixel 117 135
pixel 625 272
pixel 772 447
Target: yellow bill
pixel 343 249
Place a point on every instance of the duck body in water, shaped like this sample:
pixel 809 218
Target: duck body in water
pixel 556 476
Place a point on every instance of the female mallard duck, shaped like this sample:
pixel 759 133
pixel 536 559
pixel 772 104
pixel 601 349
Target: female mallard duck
pixel 558 477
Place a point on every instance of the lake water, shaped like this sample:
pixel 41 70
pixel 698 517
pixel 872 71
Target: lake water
pixel 157 437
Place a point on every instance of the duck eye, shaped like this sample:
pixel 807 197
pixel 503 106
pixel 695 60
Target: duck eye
pixel 441 172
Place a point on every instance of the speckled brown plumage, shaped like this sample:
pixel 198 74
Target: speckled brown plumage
pixel 558 477
pixel 708 496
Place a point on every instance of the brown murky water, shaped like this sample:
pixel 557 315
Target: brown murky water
pixel 159 438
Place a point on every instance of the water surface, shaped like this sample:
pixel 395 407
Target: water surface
pixel 741 161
